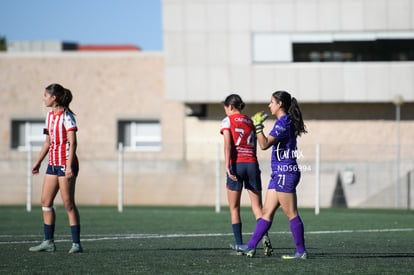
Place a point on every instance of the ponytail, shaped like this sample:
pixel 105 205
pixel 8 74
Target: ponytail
pixel 296 116
pixel 291 107
pixel 67 99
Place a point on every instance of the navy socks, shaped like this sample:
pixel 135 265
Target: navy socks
pixel 237 232
pixel 75 230
pixel 49 231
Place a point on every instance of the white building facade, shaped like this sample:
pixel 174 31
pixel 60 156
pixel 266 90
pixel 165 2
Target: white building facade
pixel 247 46
pixel 346 61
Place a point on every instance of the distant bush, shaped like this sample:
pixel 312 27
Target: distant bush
pixel 3 44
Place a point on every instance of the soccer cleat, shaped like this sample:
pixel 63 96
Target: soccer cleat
pixel 296 256
pixel 267 246
pixel 246 250
pixel 234 246
pixel 46 245
pixel 76 248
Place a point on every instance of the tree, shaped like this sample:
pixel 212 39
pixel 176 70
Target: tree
pixel 3 43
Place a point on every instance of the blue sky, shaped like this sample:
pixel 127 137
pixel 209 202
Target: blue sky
pixel 135 22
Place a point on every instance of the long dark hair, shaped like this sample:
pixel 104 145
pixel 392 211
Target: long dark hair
pixel 291 107
pixel 235 101
pixel 63 95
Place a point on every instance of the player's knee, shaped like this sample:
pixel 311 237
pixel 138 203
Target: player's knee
pixel 291 214
pixel 69 206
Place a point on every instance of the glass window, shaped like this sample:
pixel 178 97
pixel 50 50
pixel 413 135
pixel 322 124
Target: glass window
pixel 333 47
pixel 26 134
pixel 376 50
pixel 140 135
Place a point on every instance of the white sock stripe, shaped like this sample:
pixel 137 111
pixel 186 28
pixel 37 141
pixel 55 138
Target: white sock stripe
pixel 47 209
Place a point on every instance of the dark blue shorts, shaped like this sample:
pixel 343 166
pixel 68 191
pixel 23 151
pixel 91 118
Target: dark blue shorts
pixel 247 173
pixel 284 182
pixel 60 170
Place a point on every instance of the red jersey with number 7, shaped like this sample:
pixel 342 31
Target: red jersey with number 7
pixel 243 135
pixel 57 127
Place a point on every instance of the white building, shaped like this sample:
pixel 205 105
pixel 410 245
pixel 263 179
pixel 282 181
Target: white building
pixel 346 61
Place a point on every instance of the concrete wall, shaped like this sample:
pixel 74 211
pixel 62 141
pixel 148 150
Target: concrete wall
pixel 110 86
pixel 106 87
pixel 209 46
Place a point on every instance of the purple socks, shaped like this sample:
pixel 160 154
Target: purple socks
pixel 296 227
pixel 262 227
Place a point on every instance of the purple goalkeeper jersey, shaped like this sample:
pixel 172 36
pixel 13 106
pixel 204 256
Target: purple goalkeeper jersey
pixel 284 152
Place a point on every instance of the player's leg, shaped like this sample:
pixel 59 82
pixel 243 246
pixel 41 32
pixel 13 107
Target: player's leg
pixel 254 186
pixel 234 191
pixel 67 191
pixel 263 224
pixel 256 203
pixel 257 208
pixel 233 197
pixel 49 190
pixel 288 202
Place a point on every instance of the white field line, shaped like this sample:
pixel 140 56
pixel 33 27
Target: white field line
pixel 106 237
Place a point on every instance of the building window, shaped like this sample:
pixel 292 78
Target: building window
pixel 27 134
pixel 140 135
pixel 333 47
pixel 341 51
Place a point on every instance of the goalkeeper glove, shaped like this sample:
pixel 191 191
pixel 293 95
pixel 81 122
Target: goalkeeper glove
pixel 258 120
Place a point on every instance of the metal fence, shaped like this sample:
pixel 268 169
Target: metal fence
pixel 357 176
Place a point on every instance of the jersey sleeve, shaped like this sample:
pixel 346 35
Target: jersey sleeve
pixel 280 130
pixel 69 122
pixel 225 125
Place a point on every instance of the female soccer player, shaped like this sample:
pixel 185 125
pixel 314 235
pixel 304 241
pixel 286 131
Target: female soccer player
pixel 241 166
pixel 62 168
pixel 285 172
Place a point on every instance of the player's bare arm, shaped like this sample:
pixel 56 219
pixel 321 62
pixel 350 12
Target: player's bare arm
pixel 227 152
pixel 265 142
pixel 42 155
pixel 72 149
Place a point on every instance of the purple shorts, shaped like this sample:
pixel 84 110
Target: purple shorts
pixel 284 182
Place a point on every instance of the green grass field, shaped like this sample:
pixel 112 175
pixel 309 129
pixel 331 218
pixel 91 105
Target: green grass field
pixel 194 240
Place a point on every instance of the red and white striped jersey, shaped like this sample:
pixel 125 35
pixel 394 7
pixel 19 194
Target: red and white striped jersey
pixel 243 135
pixel 57 127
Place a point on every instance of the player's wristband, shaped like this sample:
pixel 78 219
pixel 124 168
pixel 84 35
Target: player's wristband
pixel 259 128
